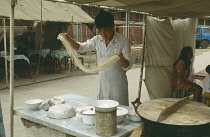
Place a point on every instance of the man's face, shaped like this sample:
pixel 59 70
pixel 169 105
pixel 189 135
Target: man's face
pixel 107 33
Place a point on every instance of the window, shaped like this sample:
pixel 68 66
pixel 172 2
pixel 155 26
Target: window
pixel 206 30
pixel 198 31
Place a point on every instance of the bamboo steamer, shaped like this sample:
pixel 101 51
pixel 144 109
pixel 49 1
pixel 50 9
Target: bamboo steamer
pixel 106 123
pixel 190 120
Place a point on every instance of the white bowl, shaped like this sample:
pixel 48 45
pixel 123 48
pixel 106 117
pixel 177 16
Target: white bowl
pixel 34 103
pixel 79 109
pixel 121 114
pixel 88 116
pixel 61 111
pixel 133 116
pixel 105 105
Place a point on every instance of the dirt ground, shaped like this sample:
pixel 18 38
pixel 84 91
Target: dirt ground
pixel 76 82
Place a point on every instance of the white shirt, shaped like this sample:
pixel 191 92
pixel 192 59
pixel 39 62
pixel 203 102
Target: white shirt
pixel 206 84
pixel 113 82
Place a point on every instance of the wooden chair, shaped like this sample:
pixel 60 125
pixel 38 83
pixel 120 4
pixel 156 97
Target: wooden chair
pixel 57 66
pixel 53 65
pixel 30 69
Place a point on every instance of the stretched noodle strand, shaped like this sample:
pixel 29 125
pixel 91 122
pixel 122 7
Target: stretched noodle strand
pixel 77 62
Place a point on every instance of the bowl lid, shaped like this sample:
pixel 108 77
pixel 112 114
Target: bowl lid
pixel 61 107
pixel 61 111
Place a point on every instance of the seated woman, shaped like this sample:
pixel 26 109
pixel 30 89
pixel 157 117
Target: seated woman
pixel 181 71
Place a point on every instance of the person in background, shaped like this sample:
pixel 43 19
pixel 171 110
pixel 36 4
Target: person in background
pixel 113 82
pixel 206 85
pixel 181 71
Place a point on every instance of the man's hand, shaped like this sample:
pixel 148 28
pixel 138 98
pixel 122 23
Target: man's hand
pixel 74 44
pixel 65 34
pixel 123 62
pixel 120 55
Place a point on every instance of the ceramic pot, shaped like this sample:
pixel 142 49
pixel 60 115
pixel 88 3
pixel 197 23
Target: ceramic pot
pixel 88 116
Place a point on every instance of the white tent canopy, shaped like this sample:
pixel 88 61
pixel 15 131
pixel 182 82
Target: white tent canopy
pixel 56 12
pixel 165 40
pixel 170 8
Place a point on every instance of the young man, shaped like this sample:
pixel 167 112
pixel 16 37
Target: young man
pixel 113 82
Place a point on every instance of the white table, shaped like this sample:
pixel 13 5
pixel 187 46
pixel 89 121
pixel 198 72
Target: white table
pixel 16 57
pixel 36 123
pixel 59 54
pixel 43 52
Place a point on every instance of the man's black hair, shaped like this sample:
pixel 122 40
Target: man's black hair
pixel 104 19
pixel 208 69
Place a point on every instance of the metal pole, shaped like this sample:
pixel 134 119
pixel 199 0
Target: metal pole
pixel 142 63
pixel 12 67
pixel 126 22
pixel 40 45
pixel 5 53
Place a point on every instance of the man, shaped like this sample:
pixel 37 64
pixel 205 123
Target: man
pixel 113 82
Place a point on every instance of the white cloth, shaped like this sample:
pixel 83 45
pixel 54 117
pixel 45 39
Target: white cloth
pixel 164 42
pixel 206 84
pixel 113 82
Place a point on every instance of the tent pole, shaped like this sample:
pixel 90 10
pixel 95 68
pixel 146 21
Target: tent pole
pixel 5 53
pixel 86 31
pixel 143 59
pixel 12 67
pixel 137 102
pixel 40 46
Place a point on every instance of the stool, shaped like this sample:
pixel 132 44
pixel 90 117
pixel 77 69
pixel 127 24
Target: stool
pixel 180 93
pixel 206 98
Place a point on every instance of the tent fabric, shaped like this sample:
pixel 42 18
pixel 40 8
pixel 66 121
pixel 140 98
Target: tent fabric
pixel 55 12
pixel 170 8
pixel 164 42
